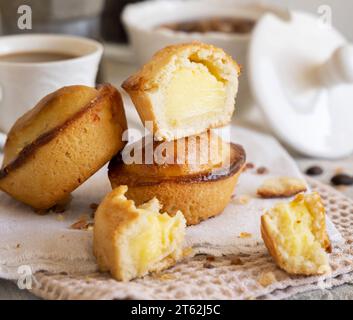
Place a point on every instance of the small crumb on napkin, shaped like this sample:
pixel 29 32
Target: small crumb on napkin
pixel 281 187
pixel 267 278
pixel 245 235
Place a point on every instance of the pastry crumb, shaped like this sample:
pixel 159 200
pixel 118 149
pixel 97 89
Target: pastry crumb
pixel 236 261
pixel 267 278
pixel 82 224
pixel 60 217
pixel 245 235
pixel 281 187
pixel 163 276
pixel 243 199
pixel 187 252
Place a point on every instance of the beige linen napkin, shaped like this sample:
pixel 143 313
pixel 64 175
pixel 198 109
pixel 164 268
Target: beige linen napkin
pixel 48 243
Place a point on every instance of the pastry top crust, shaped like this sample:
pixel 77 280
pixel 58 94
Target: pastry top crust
pixel 207 157
pixel 49 118
pixel 151 74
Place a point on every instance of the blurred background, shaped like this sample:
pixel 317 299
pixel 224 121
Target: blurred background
pixel 131 41
pixel 101 18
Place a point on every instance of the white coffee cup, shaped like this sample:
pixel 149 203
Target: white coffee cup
pixel 22 85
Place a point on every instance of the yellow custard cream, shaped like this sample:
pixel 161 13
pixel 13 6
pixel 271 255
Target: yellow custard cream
pixel 295 234
pixel 193 92
pixel 132 241
pixel 185 90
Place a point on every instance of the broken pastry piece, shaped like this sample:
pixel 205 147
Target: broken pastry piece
pixel 281 187
pixel 185 89
pixel 132 241
pixel 295 235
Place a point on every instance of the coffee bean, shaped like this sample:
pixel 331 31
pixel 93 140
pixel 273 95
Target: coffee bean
pixel 342 180
pixel 314 171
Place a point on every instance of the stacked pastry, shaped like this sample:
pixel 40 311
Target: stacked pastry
pixel 183 92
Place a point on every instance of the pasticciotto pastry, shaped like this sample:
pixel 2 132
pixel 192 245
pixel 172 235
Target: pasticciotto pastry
pixel 60 143
pixel 185 89
pixel 196 175
pixel 296 237
pixel 130 241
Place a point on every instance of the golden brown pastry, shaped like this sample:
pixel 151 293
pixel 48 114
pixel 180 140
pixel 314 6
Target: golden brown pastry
pixel 295 235
pixel 61 142
pixel 281 187
pixel 132 241
pixel 196 175
pixel 185 89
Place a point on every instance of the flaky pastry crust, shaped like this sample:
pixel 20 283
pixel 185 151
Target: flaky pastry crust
pixel 281 187
pixel 199 191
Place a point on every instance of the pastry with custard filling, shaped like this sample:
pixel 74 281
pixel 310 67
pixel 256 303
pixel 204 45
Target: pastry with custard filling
pixel 185 89
pixel 296 237
pixel 130 241
pixel 60 143
pixel 196 175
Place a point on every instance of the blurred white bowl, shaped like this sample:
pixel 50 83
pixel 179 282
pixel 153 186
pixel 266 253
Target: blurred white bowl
pixel 142 20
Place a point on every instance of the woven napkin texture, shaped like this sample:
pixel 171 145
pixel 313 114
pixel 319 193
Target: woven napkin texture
pixel 243 276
